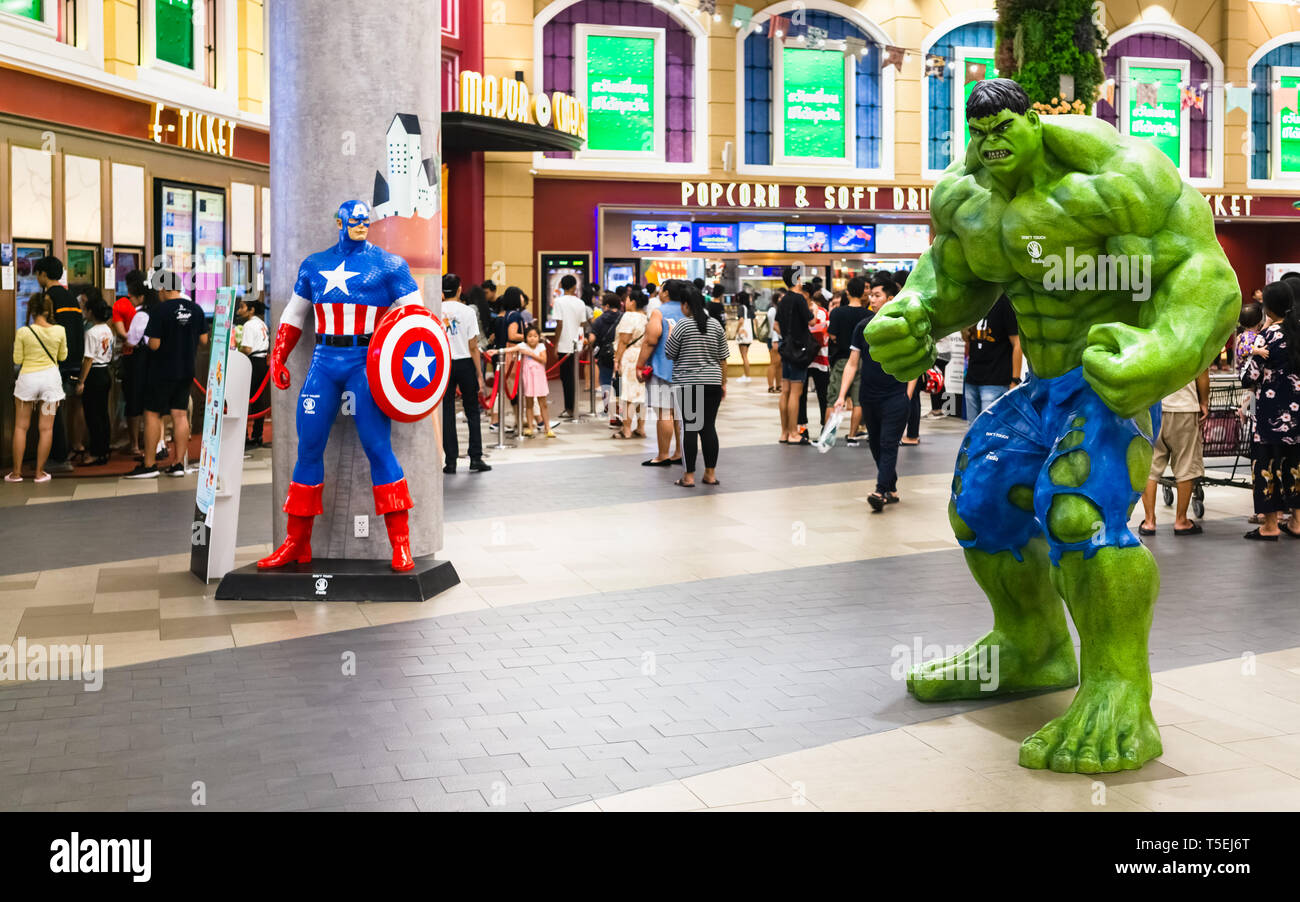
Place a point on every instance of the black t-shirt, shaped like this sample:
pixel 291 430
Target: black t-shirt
pixel 179 325
pixel 792 315
pixel 67 313
pixel 990 349
pixel 844 320
pixel 876 384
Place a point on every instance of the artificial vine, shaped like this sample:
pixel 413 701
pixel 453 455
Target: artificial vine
pixel 1038 41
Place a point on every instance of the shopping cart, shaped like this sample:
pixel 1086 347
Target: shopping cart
pixel 1226 435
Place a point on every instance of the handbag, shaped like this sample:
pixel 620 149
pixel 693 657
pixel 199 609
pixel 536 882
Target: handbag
pixel 762 326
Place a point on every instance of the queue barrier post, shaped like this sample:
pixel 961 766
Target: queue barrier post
pixel 502 392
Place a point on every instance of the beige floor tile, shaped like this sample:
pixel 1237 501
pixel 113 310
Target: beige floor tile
pixel 665 797
pixel 582 806
pixel 1192 754
pixel 199 606
pixel 1281 752
pixel 779 806
pixel 132 637
pixel 139 600
pixel 1050 791
pixel 126 654
pixel 9 625
pixel 978 747
pixel 1259 788
pixel 736 785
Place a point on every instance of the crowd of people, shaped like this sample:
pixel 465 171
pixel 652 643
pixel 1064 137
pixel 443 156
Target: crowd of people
pixel 88 371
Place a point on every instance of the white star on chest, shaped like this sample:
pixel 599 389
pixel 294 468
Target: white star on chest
pixel 337 278
pixel 420 365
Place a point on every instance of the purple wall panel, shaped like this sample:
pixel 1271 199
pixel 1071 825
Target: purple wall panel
pixel 679 52
pixel 1160 46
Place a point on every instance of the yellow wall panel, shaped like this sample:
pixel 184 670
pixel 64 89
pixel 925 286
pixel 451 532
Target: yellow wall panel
pixel 121 38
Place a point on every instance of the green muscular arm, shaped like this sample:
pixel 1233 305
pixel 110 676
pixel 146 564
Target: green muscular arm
pixel 942 296
pixel 1183 323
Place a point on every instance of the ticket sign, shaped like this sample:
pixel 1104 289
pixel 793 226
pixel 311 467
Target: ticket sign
pixel 814 104
pixel 1155 112
pixel 621 93
pixel 1288 130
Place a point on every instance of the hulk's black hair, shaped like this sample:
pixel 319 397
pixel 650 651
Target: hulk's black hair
pixel 992 96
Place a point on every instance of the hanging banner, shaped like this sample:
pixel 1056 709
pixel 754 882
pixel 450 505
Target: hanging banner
pixel 814 107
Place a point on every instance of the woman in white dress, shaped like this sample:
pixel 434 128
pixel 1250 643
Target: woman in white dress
pixel 631 394
pixel 744 332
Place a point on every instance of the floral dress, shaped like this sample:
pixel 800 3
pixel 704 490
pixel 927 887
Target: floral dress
pixel 1277 424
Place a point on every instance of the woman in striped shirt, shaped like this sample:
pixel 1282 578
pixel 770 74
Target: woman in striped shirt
pixel 697 346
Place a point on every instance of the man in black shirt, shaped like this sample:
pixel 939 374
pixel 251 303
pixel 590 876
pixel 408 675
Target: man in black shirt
pixel 845 320
pixel 885 400
pixel 792 319
pixel 176 329
pixel 67 313
pixel 993 348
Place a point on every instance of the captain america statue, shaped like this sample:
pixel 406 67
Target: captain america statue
pixel 350 287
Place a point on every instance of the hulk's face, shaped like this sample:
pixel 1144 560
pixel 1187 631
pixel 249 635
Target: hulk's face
pixel 1006 142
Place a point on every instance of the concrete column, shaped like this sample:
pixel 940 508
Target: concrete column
pixel 340 71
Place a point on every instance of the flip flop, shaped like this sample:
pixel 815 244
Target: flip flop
pixel 877 502
pixel 1256 536
pixel 892 499
pixel 1193 530
pixel 657 463
pixel 685 485
pixel 1143 531
pixel 716 482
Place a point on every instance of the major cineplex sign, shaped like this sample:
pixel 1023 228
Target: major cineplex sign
pixel 914 199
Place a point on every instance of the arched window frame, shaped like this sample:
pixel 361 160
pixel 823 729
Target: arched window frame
pixel 888 106
pixel 1263 93
pixel 936 36
pixel 699 164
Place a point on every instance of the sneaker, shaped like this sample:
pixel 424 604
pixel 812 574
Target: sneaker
pixel 852 442
pixel 449 469
pixel 176 470
pixel 494 427
pixel 143 472
pixel 550 433
pixel 478 466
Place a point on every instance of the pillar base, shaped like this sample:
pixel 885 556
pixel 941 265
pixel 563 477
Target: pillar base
pixel 337 579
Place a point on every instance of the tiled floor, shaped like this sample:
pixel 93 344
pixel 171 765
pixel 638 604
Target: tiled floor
pixel 616 642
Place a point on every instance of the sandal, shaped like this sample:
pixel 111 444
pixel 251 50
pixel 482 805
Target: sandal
pixel 877 502
pixel 685 485
pixel 619 436
pixel 1143 531
pixel 892 498
pixel 1256 536
pixel 716 482
pixel 1193 530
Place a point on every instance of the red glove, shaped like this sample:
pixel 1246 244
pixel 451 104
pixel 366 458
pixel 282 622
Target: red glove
pixel 285 340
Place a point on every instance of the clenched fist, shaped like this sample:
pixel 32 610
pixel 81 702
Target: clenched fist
pixel 900 340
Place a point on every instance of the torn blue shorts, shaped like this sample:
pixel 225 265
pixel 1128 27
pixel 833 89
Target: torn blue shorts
pixel 1005 463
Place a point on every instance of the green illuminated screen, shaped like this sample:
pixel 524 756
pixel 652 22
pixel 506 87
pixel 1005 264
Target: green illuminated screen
pixel 621 94
pixel 815 105
pixel 1160 123
pixel 174 27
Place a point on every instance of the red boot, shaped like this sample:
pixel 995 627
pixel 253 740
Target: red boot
pixel 399 534
pixel 302 505
pixel 393 500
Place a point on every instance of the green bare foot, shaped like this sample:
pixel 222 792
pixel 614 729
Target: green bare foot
pixel 995 665
pixel 1108 727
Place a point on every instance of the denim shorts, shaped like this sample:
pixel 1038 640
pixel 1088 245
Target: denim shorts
pixel 793 373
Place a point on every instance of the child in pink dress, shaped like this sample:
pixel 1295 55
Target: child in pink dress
pixel 533 381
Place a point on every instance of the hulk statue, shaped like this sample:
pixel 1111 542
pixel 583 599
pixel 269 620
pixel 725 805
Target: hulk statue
pixel 1047 477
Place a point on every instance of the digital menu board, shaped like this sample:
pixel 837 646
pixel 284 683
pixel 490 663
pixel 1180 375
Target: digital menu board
pixel 661 236
pixel 860 239
pixel 762 236
pixel 902 238
pixel 814 238
pixel 718 237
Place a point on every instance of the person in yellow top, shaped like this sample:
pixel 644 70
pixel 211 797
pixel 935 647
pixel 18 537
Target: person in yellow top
pixel 39 348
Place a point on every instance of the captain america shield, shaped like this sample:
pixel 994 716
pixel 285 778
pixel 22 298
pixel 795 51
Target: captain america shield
pixel 409 364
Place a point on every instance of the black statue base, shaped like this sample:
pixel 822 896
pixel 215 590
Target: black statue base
pixel 337 579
